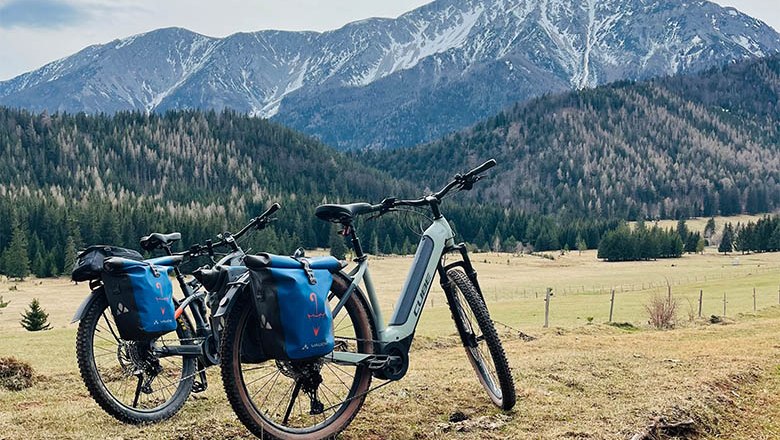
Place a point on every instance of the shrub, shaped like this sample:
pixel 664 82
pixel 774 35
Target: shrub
pixel 15 375
pixel 627 326
pixel 662 311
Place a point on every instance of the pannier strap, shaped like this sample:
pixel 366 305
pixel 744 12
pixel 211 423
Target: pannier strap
pixel 307 268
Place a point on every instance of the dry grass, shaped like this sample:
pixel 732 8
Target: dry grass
pixel 698 223
pixel 574 381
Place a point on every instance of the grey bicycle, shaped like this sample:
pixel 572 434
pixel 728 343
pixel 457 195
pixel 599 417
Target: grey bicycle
pixel 319 398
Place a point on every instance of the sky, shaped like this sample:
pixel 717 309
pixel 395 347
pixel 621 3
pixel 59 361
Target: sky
pixel 35 32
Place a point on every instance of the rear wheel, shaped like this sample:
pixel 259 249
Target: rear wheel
pixel 126 378
pixel 293 399
pixel 479 337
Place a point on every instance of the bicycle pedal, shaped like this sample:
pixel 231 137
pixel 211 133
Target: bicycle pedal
pixel 377 363
pixel 199 387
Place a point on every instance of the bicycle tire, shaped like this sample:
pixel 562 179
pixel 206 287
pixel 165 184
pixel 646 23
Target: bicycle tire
pixel 236 384
pixel 497 380
pixel 97 383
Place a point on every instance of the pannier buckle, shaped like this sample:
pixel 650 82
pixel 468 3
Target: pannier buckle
pixel 307 268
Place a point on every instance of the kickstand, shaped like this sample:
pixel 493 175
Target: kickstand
pixel 201 385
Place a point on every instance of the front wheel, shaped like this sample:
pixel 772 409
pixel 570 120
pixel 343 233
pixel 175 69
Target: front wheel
pixel 479 337
pixel 126 378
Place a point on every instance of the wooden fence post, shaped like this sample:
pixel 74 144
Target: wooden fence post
pixel 754 300
pixel 701 298
pixel 611 305
pixel 724 303
pixel 547 307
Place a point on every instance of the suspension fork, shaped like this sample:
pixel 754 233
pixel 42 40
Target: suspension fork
pixel 464 263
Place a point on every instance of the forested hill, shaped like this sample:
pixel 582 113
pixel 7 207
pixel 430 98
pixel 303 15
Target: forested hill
pixel 67 181
pixel 678 146
pixel 72 180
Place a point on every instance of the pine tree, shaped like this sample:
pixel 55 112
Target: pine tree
pixel 727 240
pixel 70 254
pixel 709 230
pixel 16 263
pixel 373 247
pixel 510 244
pixel 337 247
pixel 35 318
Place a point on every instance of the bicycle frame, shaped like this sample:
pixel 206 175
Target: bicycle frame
pixel 436 241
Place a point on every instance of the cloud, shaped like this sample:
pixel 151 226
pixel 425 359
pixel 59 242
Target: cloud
pixel 40 14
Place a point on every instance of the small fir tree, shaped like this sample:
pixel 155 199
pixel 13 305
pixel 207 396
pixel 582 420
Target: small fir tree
pixel 35 318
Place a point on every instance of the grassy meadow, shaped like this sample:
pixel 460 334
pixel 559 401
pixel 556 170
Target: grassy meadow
pixel 576 380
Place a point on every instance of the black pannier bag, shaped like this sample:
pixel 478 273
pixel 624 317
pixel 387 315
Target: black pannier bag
pixel 140 296
pixel 89 262
pixel 221 279
pixel 291 300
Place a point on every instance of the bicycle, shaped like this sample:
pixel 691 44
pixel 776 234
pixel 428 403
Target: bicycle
pixel 264 394
pixel 141 382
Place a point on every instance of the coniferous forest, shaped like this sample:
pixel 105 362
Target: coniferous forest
pixel 571 168
pixel 676 147
pixel 74 180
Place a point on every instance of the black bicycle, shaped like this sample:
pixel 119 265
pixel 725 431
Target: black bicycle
pixel 148 381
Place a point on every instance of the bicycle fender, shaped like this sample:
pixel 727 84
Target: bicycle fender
pixel 82 310
pixel 227 301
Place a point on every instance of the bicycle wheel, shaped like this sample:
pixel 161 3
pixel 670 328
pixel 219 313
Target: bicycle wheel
pixel 124 377
pixel 480 339
pixel 274 399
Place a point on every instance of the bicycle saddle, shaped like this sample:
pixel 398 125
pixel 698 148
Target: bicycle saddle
pixel 155 240
pixel 342 213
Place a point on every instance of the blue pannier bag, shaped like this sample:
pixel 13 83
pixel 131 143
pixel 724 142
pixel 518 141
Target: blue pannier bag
pixel 140 296
pixel 291 301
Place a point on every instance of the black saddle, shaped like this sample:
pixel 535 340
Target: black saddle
pixel 342 213
pixel 156 240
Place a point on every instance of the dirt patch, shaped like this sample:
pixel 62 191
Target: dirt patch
pixel 719 403
pixel 475 425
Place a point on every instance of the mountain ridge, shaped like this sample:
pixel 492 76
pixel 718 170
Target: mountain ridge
pixel 397 82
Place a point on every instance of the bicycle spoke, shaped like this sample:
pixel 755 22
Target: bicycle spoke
pixel 110 327
pixel 337 376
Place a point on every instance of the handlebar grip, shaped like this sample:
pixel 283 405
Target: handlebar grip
pixel 275 207
pixel 482 168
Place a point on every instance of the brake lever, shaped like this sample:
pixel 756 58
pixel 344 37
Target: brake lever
pixel 380 214
pixel 468 183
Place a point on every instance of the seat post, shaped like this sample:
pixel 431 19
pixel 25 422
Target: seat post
pixel 349 230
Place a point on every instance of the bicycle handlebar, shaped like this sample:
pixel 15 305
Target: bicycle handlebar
pixel 482 168
pixel 465 182
pixel 259 222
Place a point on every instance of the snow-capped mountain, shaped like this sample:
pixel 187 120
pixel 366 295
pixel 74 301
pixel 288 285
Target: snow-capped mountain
pixel 393 82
